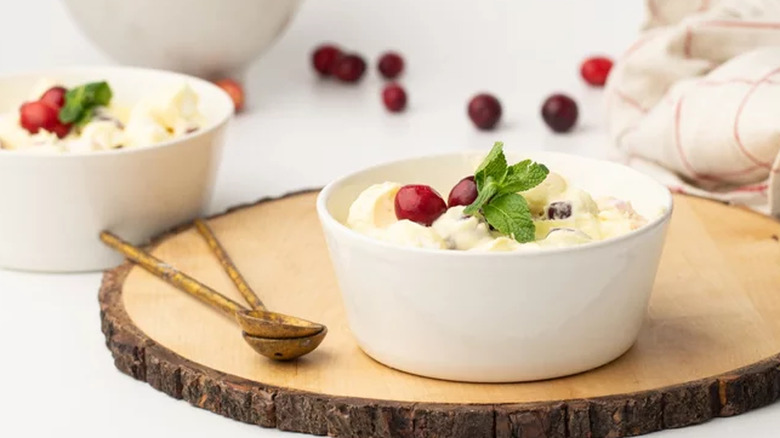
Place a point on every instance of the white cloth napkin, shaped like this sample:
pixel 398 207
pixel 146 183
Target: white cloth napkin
pixel 696 100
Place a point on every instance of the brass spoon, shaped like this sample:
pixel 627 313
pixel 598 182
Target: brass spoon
pixel 258 321
pixel 279 348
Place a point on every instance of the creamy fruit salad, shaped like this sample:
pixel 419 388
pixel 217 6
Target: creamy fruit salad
pixel 84 118
pixel 501 208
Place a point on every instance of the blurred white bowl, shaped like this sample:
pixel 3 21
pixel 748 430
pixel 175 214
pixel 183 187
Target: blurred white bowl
pixel 54 206
pixel 496 317
pixel 205 38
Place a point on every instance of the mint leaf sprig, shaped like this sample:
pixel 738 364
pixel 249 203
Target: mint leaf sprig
pixel 81 101
pixel 497 198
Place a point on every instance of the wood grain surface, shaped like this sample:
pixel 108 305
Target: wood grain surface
pixel 709 346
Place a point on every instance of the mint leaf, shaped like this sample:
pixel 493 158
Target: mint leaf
pixel 497 197
pixel 494 165
pixel 488 190
pixel 81 101
pixel 509 214
pixel 72 109
pixel 523 176
pixel 101 92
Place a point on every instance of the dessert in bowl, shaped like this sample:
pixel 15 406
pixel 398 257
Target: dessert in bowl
pixel 459 294
pixel 85 149
pixel 86 118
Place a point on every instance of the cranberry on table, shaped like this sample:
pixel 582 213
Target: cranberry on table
pixel 324 58
pixel 390 65
pixel 559 210
pixel 595 70
pixel 54 96
pixel 394 98
pixel 463 193
pixel 34 116
pixel 560 112
pixel 349 68
pixel 234 90
pixel 419 203
pixel 485 111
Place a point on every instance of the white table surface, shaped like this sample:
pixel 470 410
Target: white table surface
pixel 59 379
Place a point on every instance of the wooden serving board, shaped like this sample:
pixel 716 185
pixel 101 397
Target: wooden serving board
pixel 710 345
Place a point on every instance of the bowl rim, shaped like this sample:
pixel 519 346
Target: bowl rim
pixel 327 219
pixel 87 69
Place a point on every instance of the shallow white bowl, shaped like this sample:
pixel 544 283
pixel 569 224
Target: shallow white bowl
pixel 206 38
pixel 54 206
pixel 496 317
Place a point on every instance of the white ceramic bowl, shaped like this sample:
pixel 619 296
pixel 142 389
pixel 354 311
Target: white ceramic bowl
pixel 496 317
pixel 54 206
pixel 205 38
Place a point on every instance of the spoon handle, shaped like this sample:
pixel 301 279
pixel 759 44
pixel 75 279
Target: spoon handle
pixel 173 276
pixel 227 264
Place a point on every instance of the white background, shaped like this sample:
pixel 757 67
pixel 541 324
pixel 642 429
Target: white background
pixel 58 377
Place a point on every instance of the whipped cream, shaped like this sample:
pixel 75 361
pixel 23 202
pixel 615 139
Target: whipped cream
pixel 564 216
pixel 162 116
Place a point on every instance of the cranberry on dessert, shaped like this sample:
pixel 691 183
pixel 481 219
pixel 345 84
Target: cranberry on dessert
pixel 394 98
pixel 234 90
pixel 54 96
pixel 560 112
pixel 485 111
pixel 559 210
pixel 390 65
pixel 34 116
pixel 324 59
pixel 419 203
pixel 595 70
pixel 463 193
pixel 61 129
pixel 349 68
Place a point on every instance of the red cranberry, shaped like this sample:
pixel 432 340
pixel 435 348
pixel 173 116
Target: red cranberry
pixel 61 129
pixel 394 97
pixel 324 58
pixel 485 111
pixel 390 65
pixel 419 203
pixel 54 97
pixel 234 90
pixel 464 192
pixel 560 112
pixel 350 68
pixel 595 70
pixel 34 116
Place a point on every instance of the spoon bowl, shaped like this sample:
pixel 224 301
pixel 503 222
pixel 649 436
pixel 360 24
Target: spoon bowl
pixel 286 348
pixel 262 323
